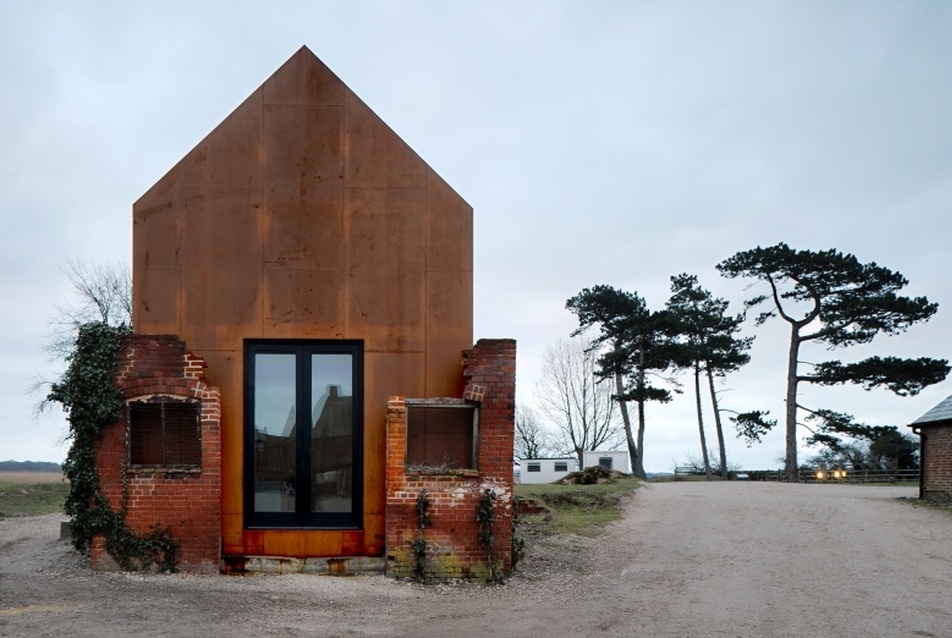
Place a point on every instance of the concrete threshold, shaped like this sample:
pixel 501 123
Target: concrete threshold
pixel 341 566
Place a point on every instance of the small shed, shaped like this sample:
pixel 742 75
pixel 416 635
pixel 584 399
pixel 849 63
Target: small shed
pixel 534 471
pixel 935 452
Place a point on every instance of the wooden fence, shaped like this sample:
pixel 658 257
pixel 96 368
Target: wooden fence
pixel 829 476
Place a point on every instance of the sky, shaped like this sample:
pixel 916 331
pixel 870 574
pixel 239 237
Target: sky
pixel 613 143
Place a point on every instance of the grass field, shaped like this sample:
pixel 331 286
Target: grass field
pixel 31 493
pixel 30 477
pixel 576 509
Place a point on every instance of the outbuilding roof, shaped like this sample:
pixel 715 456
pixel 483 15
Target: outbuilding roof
pixel 941 412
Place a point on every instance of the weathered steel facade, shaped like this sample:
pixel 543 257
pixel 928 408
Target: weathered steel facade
pixel 302 216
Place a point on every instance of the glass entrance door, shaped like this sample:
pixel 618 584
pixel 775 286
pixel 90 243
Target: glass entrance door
pixel 303 426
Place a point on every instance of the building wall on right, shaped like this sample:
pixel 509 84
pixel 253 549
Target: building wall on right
pixel 936 457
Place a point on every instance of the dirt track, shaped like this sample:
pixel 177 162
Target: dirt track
pixel 689 559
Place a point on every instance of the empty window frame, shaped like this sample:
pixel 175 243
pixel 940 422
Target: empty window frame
pixel 561 466
pixel 165 432
pixel 533 467
pixel 442 435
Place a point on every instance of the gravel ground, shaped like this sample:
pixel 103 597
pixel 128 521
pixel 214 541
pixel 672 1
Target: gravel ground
pixel 688 559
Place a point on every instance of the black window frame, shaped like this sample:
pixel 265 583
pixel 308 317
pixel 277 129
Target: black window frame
pixel 303 350
pixel 533 467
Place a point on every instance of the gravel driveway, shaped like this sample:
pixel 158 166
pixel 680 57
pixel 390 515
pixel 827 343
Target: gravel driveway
pixel 689 559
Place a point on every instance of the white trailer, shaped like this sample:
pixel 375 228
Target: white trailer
pixel 545 470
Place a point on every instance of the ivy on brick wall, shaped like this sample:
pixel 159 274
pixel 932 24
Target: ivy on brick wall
pixel 418 545
pixel 92 401
pixel 486 517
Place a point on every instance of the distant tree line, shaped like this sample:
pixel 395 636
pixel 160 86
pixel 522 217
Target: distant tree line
pixel 30 466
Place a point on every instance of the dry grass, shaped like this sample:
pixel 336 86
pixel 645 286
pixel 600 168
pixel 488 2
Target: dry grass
pixel 31 477
pixel 576 509
pixel 29 499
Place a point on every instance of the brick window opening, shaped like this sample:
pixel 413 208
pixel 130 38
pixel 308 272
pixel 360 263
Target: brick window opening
pixel 165 432
pixel 561 466
pixel 441 436
pixel 534 467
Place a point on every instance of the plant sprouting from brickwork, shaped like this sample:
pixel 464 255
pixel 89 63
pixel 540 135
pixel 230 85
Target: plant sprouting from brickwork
pixel 486 517
pixel 92 401
pixel 418 545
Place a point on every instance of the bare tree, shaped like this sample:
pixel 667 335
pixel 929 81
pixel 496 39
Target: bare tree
pixel 576 399
pixel 533 440
pixel 101 292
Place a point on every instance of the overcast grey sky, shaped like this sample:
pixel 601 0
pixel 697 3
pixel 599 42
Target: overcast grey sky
pixel 599 142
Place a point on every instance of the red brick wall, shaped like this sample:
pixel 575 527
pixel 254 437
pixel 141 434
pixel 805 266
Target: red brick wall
pixel 186 500
pixel 937 463
pixel 452 542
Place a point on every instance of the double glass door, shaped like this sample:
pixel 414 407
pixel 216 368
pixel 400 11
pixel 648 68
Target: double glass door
pixel 303 417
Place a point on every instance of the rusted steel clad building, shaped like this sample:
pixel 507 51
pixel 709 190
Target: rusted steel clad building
pixel 313 267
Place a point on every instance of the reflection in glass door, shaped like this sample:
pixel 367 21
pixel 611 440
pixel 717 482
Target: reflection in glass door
pixel 303 433
pixel 275 432
pixel 332 433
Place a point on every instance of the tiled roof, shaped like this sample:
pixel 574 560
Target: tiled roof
pixel 941 412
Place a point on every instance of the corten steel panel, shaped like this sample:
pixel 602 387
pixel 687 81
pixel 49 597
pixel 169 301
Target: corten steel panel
pixel 223 165
pixel 157 231
pixel 386 267
pixel 375 450
pixel 449 301
pixel 159 198
pixel 389 374
pixel 376 157
pixel 449 228
pixel 230 155
pixel 303 196
pixel 297 544
pixel 159 313
pixel 443 378
pixel 386 374
pixel 221 272
pixel 303 215
pixel 449 323
pixel 304 80
pixel 233 539
pixel 224 371
pixel 302 303
pixel 156 293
